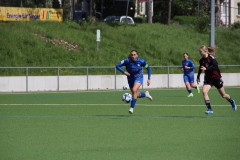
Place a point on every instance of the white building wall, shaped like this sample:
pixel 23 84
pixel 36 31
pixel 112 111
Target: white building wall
pixel 99 82
pixel 142 8
pixel 225 11
pixel 236 14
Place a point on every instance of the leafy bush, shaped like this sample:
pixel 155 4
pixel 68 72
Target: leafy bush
pixel 140 19
pixel 236 25
pixel 186 20
pixel 201 23
pixel 159 19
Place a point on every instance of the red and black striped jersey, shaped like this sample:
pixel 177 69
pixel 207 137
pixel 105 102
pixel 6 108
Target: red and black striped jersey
pixel 212 71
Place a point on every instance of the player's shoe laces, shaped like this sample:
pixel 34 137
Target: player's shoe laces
pixel 148 96
pixel 209 111
pixel 131 111
pixel 190 95
pixel 198 89
pixel 234 106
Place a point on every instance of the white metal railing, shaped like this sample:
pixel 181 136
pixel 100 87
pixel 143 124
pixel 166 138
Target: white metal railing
pixel 96 67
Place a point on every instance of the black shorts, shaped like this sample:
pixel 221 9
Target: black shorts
pixel 218 83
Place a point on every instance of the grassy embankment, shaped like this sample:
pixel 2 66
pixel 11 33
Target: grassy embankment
pixel 45 44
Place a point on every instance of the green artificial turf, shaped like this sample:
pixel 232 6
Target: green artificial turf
pixel 96 125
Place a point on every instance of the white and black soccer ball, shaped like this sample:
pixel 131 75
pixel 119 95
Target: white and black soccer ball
pixel 127 97
pixel 125 88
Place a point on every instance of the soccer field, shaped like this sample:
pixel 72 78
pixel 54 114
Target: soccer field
pixel 92 125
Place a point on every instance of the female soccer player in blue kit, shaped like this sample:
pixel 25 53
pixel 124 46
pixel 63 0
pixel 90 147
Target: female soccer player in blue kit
pixel 134 72
pixel 188 74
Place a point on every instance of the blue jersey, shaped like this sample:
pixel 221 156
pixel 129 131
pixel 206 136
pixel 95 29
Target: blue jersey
pixel 190 64
pixel 134 68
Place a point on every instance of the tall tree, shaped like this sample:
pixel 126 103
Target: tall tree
pixel 178 7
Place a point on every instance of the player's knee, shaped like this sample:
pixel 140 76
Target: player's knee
pixel 204 92
pixel 224 96
pixel 135 91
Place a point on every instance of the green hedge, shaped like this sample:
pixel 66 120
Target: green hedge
pixel 236 25
pixel 140 19
pixel 186 20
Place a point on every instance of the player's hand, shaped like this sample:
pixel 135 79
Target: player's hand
pixel 186 67
pixel 203 68
pixel 148 82
pixel 198 80
pixel 127 74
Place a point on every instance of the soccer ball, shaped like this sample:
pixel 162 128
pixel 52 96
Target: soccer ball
pixel 124 87
pixel 127 97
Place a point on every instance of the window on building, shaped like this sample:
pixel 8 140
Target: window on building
pixel 225 8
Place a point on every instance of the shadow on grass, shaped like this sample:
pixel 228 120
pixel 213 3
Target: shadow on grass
pixel 165 117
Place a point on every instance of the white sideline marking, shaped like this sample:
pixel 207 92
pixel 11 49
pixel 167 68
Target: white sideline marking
pixel 154 105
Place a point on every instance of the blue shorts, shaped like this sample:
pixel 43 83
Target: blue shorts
pixel 134 80
pixel 188 78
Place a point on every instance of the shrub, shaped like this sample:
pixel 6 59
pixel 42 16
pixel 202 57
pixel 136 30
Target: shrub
pixel 201 23
pixel 184 20
pixel 140 19
pixel 159 19
pixel 236 25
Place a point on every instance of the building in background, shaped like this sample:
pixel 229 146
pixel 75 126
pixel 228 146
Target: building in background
pixel 236 11
pixel 230 12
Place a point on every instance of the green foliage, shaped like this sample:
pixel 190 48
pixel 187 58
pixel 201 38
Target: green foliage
pixel 159 18
pixel 49 44
pixel 178 8
pixel 184 20
pixel 140 19
pixel 201 23
pixel 182 7
pixel 236 25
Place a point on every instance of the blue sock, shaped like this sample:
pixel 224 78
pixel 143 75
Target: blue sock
pixel 133 102
pixel 190 91
pixel 142 95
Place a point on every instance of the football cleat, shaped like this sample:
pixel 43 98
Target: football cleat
pixel 209 111
pixel 148 95
pixel 198 89
pixel 234 106
pixel 131 111
pixel 190 95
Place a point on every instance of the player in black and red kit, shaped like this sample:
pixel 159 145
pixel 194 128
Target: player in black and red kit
pixel 212 77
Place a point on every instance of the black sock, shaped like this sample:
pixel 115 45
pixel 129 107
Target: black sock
pixel 207 102
pixel 230 100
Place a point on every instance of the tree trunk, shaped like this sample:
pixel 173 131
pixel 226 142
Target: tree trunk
pixel 94 11
pixel 218 13
pixel 169 11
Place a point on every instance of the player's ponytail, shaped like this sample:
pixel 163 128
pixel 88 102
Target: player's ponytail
pixel 211 50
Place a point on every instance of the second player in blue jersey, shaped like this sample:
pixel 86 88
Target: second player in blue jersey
pixel 188 74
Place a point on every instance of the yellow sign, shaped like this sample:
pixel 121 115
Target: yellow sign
pixel 28 14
